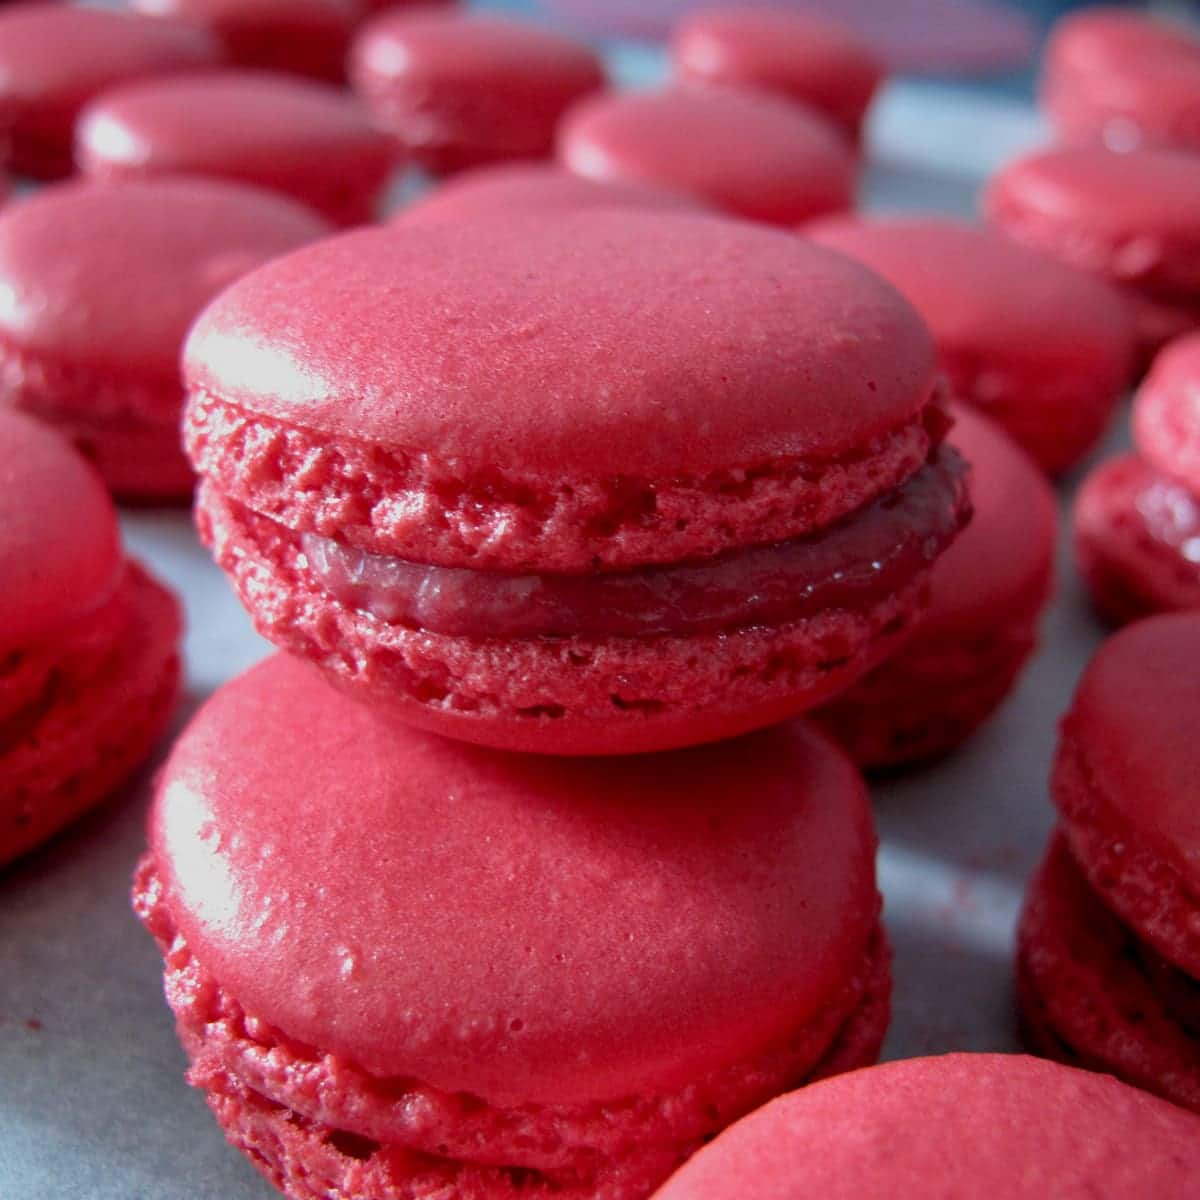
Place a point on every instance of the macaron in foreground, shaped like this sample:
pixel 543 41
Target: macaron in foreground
pixel 405 966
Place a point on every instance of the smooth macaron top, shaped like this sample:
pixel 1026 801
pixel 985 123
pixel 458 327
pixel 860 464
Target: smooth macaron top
pixel 755 154
pixel 63 54
pixel 991 302
pixel 521 928
pixel 798 54
pixel 226 121
pixel 335 15
pixel 601 344
pixel 1132 727
pixel 60 549
pixel 109 276
pixel 1166 413
pixel 960 1127
pixel 1004 559
pixel 516 188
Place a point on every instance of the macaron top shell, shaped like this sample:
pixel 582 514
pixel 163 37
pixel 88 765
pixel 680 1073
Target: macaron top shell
pixel 64 53
pixel 962 1126
pixel 110 276
pixel 60 550
pixel 517 927
pixel 338 16
pixel 226 121
pixel 603 343
pixel 1004 559
pixel 1133 727
pixel 1166 413
pixel 989 300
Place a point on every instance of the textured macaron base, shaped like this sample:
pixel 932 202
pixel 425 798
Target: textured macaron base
pixel 79 719
pixel 314 1121
pixel 393 501
pixel 1130 572
pixel 932 695
pixel 1136 879
pixel 1091 995
pixel 566 695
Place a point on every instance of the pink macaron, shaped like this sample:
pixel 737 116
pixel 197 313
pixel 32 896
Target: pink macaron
pixel 1044 350
pixel 306 37
pixel 1137 517
pixel 1109 947
pixel 1123 78
pixel 989 590
pixel 956 1127
pixel 752 154
pixel 463 89
pixel 102 283
pixel 89 663
pixel 306 139
pixel 55 57
pixel 1133 219
pixel 622 481
pixel 517 188
pixel 406 967
pixel 796 54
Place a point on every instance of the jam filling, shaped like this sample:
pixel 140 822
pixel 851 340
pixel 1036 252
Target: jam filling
pixel 865 557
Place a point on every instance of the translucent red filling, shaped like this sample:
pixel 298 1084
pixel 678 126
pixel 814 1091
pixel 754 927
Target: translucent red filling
pixel 863 558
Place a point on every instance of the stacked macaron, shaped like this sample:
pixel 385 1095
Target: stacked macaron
pixel 1109 944
pixel 664 480
pixel 1137 517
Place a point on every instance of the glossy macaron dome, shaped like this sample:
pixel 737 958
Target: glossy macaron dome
pixel 958 1127
pixel 1137 517
pixel 520 188
pixel 55 57
pixel 306 139
pixel 88 660
pixel 308 37
pixel 441 970
pixel 1132 218
pixel 462 89
pixel 750 153
pixel 800 55
pixel 1123 78
pixel 989 591
pixel 100 284
pixel 665 478
pixel 1044 350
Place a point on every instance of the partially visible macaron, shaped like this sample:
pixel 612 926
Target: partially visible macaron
pixel 307 37
pixel 1109 947
pixel 89 661
pixel 749 153
pixel 1123 78
pixel 1137 517
pixel 55 57
pixel 1043 349
pixel 102 283
pixel 306 139
pixel 615 482
pixel 462 89
pixel 800 55
pixel 1132 218
pixel 956 1127
pixel 406 967
pixel 517 188
pixel 989 590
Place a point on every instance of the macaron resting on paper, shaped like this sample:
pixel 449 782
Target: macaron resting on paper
pixel 989 590
pixel 954 1127
pixel 403 966
pixel 1137 516
pixel 89 664
pixel 664 479
pixel 1109 945
pixel 101 283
